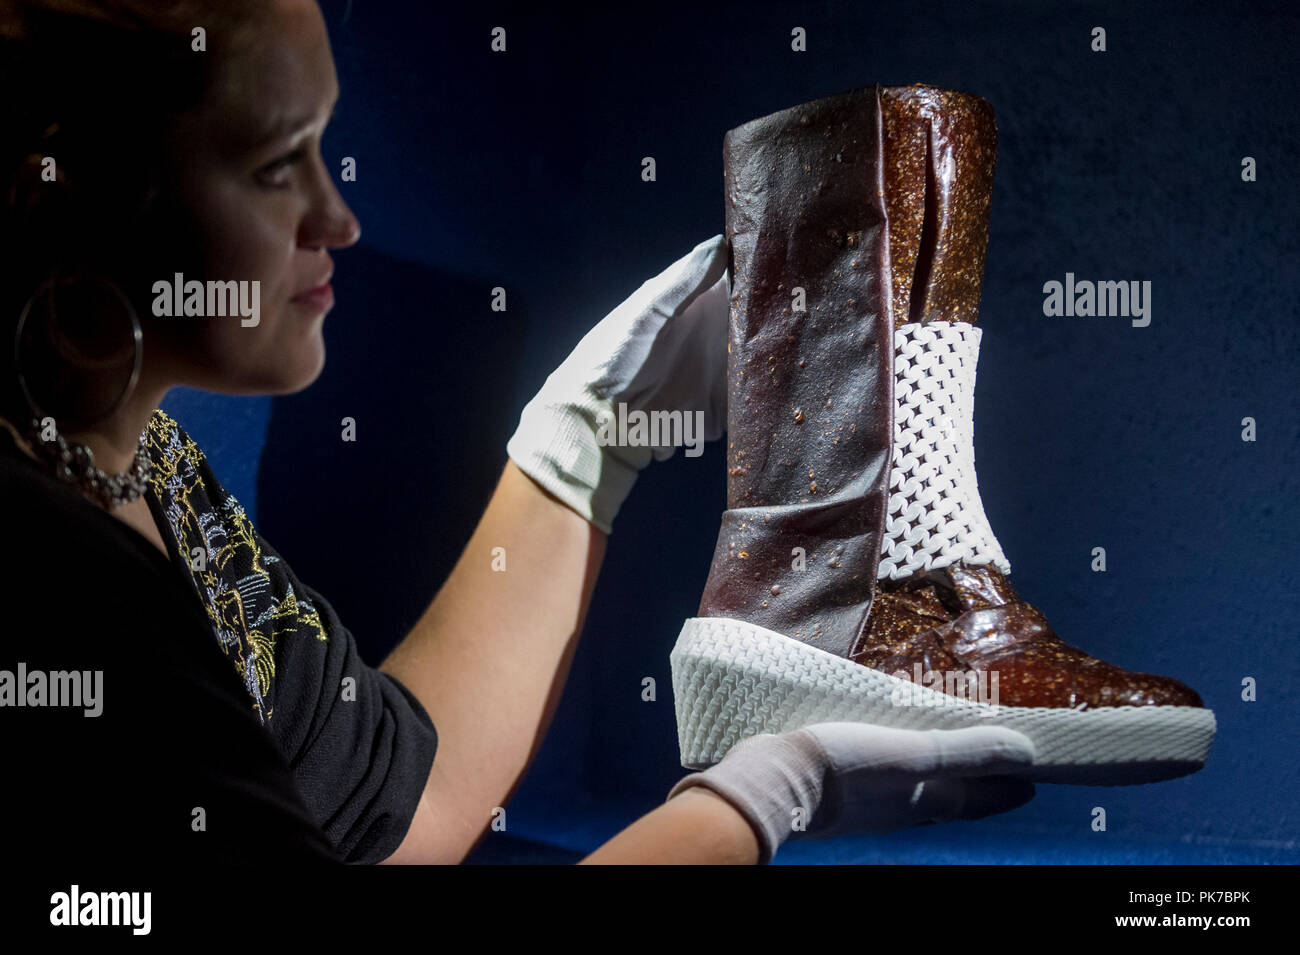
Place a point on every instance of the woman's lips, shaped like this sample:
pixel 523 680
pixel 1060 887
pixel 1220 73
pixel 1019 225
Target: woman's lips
pixel 319 299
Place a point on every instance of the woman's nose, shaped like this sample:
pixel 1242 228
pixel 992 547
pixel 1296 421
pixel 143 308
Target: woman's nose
pixel 342 227
pixel 331 223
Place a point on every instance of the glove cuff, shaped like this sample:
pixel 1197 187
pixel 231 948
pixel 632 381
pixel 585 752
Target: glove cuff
pixel 556 445
pixel 765 825
pixel 766 778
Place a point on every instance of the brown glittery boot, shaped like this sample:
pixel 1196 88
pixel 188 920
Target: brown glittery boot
pixel 856 576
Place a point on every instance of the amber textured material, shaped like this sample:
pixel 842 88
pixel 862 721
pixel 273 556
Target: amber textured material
pixel 875 203
pixel 848 217
pixel 940 150
pixel 964 618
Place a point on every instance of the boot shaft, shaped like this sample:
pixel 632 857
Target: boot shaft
pixel 846 217
pixel 810 321
pixel 940 149
pixel 868 210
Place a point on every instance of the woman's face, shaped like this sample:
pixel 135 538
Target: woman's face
pixel 250 176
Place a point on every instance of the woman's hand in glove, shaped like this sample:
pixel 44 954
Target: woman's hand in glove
pixel 831 779
pixel 663 349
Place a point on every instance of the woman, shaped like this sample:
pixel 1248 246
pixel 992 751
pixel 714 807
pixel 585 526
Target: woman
pixel 130 558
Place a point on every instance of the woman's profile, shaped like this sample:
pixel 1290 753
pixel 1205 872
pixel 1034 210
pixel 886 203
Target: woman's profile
pixel 168 219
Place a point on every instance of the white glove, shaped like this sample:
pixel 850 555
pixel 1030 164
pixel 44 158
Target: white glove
pixel 662 350
pixel 831 779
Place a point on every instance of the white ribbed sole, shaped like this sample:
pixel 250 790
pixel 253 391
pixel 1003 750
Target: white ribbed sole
pixel 733 680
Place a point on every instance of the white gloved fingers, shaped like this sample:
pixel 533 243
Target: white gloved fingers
pixel 645 335
pixel 980 751
pixel 662 352
pixel 671 367
pixel 976 750
pixel 698 355
pixel 713 367
pixel 875 774
pixel 948 799
pixel 831 779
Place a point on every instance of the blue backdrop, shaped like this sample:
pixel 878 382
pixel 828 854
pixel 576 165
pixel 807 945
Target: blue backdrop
pixel 522 170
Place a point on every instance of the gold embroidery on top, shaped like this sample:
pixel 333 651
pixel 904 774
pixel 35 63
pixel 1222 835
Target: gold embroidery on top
pixel 234 579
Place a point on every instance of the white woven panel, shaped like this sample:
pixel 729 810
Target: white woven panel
pixel 733 680
pixel 935 514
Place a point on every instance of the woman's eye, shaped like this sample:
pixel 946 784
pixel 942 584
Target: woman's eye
pixel 277 173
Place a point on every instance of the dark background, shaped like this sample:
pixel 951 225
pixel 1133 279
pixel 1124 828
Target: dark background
pixel 523 170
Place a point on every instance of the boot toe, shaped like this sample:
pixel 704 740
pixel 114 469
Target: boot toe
pixel 1150 690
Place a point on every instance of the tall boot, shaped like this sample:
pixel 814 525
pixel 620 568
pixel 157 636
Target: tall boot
pixel 856 576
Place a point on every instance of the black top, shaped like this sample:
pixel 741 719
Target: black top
pixel 238 723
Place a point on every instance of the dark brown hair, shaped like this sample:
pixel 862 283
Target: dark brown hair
pixel 95 86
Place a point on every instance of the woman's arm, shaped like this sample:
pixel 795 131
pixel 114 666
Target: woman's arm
pixel 488 660
pixel 697 827
pixel 489 657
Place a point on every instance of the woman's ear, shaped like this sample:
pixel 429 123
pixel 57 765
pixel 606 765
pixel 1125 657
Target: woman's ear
pixel 39 181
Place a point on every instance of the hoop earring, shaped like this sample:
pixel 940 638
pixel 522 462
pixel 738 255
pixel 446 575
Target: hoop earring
pixel 48 290
pixel 75 463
